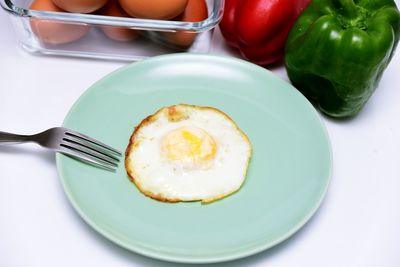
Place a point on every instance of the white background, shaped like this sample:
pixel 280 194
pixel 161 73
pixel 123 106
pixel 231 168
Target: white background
pixel 358 224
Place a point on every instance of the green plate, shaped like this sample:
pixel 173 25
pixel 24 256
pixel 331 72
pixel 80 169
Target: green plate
pixel 287 179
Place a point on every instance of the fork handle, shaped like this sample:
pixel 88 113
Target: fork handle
pixel 10 138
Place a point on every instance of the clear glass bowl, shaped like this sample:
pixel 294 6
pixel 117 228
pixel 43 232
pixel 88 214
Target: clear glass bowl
pixel 153 36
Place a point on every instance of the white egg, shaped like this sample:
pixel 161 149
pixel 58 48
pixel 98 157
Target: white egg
pixel 188 153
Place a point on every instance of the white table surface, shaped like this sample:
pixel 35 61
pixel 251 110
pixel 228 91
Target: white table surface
pixel 358 224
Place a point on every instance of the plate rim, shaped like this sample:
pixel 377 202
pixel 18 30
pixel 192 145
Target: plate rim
pixel 188 259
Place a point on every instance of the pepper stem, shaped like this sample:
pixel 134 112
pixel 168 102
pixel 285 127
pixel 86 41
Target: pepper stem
pixel 349 8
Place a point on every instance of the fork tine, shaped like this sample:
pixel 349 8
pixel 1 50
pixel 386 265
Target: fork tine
pixel 88 152
pixel 93 141
pixel 94 161
pixel 88 145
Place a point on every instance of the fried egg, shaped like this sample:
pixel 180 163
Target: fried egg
pixel 188 153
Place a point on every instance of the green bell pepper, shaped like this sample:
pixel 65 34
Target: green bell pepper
pixel 338 50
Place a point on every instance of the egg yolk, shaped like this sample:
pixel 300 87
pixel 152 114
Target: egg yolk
pixel 189 144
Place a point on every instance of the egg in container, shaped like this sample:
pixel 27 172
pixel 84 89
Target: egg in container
pixel 195 11
pixel 80 6
pixel 123 34
pixel 154 9
pixel 54 32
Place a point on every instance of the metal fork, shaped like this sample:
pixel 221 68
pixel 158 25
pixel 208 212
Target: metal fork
pixel 71 143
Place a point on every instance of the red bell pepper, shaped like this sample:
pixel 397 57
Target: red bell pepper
pixel 258 28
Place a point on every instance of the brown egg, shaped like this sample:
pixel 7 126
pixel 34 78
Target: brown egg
pixel 154 9
pixel 54 32
pixel 123 34
pixel 196 10
pixel 80 6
